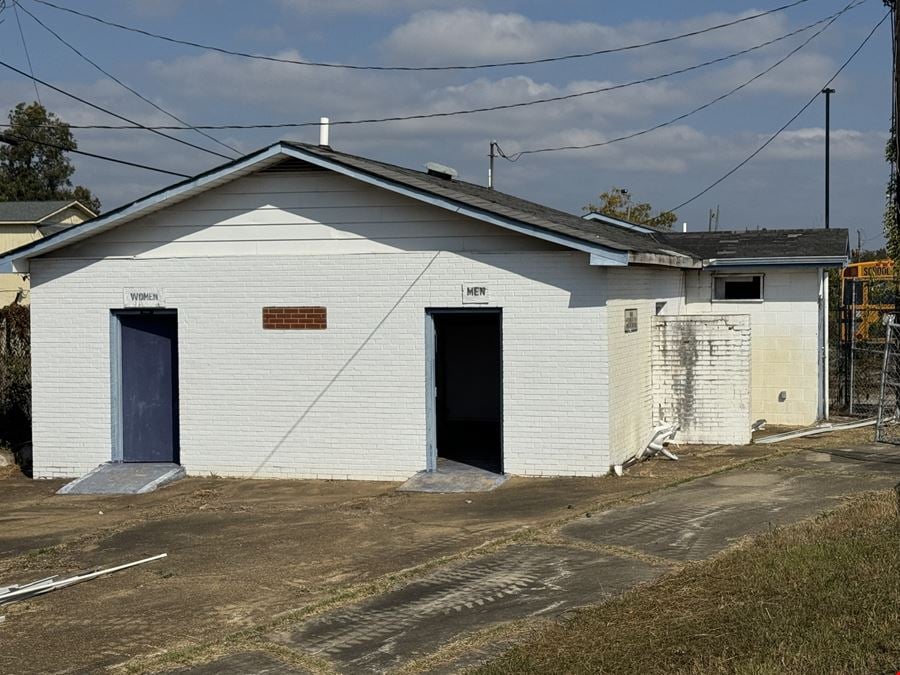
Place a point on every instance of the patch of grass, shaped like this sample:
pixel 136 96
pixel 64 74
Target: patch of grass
pixel 819 597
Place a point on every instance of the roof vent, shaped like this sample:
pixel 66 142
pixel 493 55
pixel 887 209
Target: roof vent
pixel 441 171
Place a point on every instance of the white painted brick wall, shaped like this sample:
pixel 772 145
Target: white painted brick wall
pixel 701 377
pixel 630 395
pixel 347 402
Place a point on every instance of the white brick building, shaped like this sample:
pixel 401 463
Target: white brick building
pixel 306 313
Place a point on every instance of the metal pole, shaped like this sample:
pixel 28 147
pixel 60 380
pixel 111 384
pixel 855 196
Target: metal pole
pixel 852 342
pixel 491 155
pixel 828 91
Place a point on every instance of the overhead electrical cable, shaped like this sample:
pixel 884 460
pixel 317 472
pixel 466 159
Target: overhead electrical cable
pixel 122 84
pixel 113 114
pixel 514 157
pixel 25 48
pixel 789 122
pixel 9 137
pixel 499 64
pixel 471 111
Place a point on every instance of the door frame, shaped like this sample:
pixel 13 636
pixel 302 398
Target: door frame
pixel 431 449
pixel 115 370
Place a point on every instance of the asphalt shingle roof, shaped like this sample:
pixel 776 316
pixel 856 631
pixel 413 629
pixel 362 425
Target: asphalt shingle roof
pixel 497 203
pixel 760 243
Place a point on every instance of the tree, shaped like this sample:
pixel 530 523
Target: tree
pixel 891 233
pixel 35 172
pixel 617 203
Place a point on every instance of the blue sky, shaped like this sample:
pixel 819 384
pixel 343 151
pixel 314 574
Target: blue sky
pixel 782 187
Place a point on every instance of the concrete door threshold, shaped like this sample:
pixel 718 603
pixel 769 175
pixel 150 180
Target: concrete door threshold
pixel 453 476
pixel 121 478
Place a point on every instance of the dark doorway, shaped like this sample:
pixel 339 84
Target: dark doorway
pixel 149 386
pixel 468 375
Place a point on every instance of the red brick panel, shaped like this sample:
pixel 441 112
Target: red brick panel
pixel 294 318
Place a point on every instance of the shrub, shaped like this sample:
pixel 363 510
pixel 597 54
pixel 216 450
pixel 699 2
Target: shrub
pixel 15 374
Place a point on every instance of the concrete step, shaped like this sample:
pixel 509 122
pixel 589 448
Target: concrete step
pixel 118 478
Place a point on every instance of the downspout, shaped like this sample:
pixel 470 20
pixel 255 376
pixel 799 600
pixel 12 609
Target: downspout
pixel 823 407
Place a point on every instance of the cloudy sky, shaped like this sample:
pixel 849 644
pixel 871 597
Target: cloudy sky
pixel 782 187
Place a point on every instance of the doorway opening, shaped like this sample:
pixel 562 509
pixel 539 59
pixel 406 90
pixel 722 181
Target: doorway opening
pixel 146 387
pixel 467 415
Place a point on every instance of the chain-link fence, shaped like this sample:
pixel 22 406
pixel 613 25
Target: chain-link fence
pixel 888 430
pixel 857 334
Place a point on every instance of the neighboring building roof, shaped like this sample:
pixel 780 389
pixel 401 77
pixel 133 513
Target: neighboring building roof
pixel 37 212
pixel 763 247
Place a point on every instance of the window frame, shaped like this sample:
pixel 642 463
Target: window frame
pixel 738 276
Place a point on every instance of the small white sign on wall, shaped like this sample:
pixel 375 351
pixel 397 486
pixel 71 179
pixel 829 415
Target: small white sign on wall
pixel 144 297
pixel 475 294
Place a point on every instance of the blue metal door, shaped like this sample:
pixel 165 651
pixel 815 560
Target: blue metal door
pixel 149 387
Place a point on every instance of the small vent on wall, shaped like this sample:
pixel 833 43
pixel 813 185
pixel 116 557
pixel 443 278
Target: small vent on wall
pixel 292 165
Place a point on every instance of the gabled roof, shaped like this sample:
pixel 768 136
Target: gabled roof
pixel 607 244
pixel 36 212
pixel 494 201
pixel 608 241
pixel 764 247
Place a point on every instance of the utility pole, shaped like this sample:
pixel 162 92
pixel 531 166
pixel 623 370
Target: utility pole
pixel 892 4
pixel 492 154
pixel 828 91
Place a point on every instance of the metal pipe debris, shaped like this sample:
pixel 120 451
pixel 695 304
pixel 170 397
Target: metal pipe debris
pixel 813 431
pixel 10 594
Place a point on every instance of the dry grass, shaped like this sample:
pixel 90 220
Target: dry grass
pixel 819 597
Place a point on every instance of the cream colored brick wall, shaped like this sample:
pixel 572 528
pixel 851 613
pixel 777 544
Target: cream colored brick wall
pixel 701 377
pixel 785 351
pixel 630 354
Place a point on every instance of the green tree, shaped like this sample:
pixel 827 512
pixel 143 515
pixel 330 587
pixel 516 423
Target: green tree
pixel 31 171
pixel 891 234
pixel 617 203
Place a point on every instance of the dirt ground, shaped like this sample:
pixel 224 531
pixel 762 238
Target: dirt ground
pixel 249 553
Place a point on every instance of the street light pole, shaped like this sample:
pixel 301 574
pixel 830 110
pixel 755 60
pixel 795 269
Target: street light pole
pixel 828 91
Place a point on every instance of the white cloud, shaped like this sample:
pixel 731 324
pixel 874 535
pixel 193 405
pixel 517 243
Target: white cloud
pixel 360 6
pixel 809 143
pixel 470 35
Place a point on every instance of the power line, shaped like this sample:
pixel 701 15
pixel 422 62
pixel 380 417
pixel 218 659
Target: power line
pixel 121 83
pixel 499 64
pixel 14 139
pixel 110 112
pixel 470 111
pixel 828 22
pixel 15 7
pixel 789 122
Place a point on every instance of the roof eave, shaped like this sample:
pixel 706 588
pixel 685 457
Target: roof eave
pixel 18 258
pixel 792 261
pixel 667 259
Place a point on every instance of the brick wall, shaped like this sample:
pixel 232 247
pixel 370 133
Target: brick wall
pixel 701 377
pixel 785 339
pixel 347 402
pixel 630 386
pixel 294 318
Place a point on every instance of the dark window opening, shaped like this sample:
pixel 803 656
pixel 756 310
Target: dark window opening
pixel 743 287
pixel 469 390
